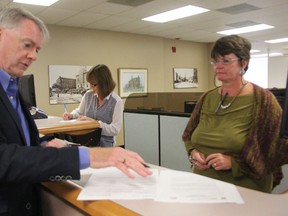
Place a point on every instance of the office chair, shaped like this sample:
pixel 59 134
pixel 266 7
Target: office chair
pixel 90 139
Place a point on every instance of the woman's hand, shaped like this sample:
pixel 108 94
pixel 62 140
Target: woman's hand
pixel 67 116
pixel 198 160
pixel 219 161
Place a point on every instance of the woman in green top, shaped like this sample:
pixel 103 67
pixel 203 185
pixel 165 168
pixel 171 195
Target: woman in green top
pixel 233 132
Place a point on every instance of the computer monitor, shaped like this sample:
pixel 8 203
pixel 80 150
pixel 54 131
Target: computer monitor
pixel 284 122
pixel 189 106
pixel 27 89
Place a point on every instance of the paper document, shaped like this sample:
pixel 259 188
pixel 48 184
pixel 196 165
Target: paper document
pixel 178 186
pixel 70 120
pixel 162 185
pixel 111 183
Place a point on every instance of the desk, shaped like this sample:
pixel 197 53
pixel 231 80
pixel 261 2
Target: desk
pixel 54 124
pixel 67 192
pixel 256 203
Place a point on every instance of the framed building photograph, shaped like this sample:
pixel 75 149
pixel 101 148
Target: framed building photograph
pixel 132 81
pixel 67 83
pixel 185 78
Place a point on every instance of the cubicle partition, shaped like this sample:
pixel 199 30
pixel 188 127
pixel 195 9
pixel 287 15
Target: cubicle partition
pixel 153 127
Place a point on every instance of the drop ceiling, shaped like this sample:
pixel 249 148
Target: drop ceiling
pixel 126 15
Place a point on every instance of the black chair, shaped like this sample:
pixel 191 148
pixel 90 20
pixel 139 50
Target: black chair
pixel 90 139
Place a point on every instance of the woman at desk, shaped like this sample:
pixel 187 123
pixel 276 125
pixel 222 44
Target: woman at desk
pixel 101 104
pixel 233 132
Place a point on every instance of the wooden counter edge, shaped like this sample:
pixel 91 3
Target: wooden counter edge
pixel 87 126
pixel 69 193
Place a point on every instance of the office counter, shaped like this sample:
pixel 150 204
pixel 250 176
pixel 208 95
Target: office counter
pixel 60 199
pixel 54 124
pixel 256 203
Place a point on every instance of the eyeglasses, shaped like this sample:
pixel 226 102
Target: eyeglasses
pixel 94 85
pixel 225 61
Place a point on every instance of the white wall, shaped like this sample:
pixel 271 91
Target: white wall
pixel 268 72
pixel 278 68
pixel 258 72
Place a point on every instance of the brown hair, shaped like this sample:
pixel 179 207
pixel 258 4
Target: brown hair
pixel 232 44
pixel 101 75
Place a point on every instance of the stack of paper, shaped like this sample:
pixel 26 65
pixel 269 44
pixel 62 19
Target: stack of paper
pixel 162 185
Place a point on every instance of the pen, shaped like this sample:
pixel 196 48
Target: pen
pixel 65 108
pixel 145 165
pixel 71 144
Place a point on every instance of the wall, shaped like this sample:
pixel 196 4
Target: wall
pixel 277 71
pixel 78 46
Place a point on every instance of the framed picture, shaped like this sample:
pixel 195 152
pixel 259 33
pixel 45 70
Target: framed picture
pixel 132 81
pixel 185 78
pixel 67 83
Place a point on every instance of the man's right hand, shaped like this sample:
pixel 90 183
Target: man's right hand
pixel 119 158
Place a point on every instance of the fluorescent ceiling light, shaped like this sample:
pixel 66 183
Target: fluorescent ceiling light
pixel 254 51
pixel 36 2
pixel 280 40
pixel 266 55
pixel 246 29
pixel 175 14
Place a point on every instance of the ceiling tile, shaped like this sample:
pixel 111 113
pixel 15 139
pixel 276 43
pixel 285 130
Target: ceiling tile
pixel 102 14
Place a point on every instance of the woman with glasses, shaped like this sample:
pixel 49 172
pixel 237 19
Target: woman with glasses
pixel 233 132
pixel 101 104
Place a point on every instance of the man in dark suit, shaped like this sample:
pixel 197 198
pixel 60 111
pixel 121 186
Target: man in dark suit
pixel 26 160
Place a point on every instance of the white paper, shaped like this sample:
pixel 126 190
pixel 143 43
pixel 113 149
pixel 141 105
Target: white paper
pixel 111 183
pixel 69 121
pixel 162 185
pixel 178 186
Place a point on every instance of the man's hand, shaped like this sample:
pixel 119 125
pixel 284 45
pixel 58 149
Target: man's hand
pixel 120 158
pixel 56 143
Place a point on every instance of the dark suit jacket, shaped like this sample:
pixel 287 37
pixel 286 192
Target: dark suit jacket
pixel 22 167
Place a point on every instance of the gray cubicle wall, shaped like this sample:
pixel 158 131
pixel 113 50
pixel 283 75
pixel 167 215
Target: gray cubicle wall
pixel 141 135
pixel 153 127
pixel 172 149
pixel 157 138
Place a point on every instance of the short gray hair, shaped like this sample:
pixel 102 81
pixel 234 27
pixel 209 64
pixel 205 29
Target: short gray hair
pixel 12 17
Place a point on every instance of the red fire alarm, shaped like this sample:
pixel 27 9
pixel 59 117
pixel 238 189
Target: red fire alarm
pixel 174 49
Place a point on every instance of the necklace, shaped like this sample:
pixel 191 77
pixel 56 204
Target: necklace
pixel 231 102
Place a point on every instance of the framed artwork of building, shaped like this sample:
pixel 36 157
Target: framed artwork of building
pixel 132 82
pixel 67 83
pixel 185 78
